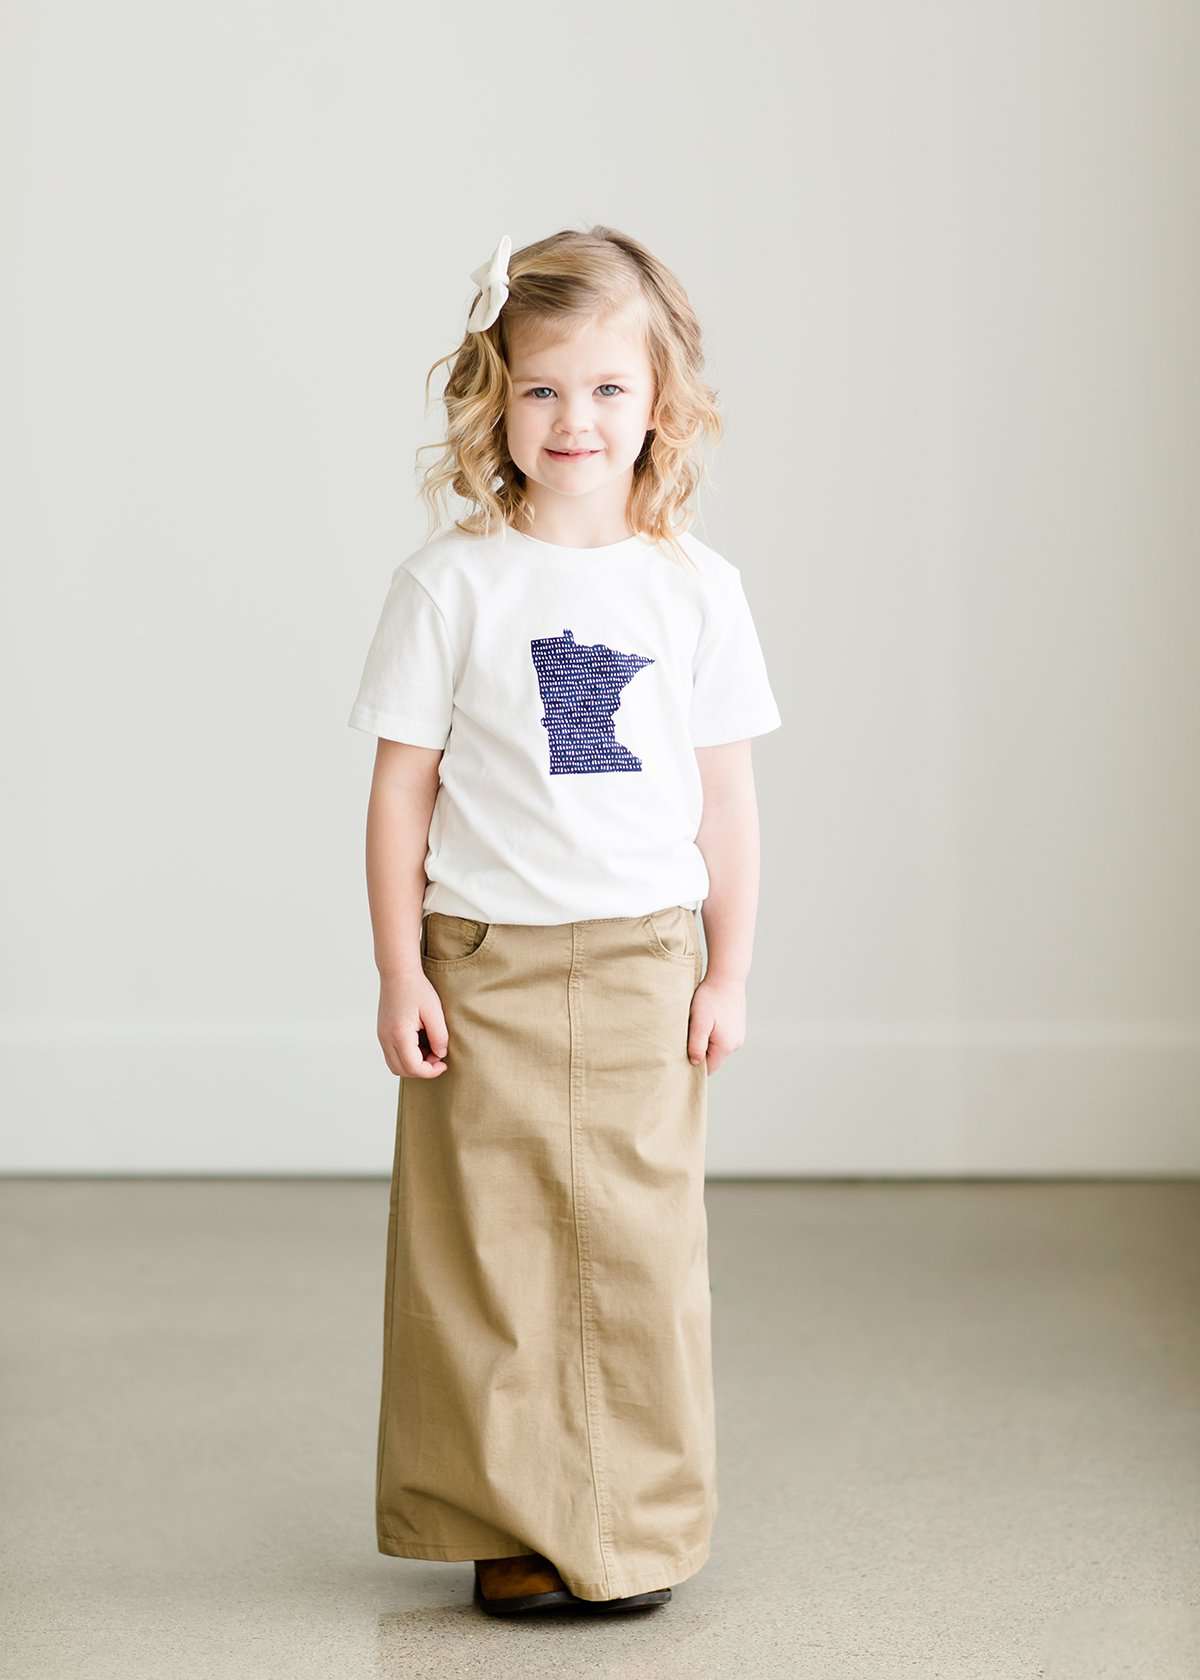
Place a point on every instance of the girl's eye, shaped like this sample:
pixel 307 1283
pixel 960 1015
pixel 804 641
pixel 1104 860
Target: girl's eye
pixel 608 386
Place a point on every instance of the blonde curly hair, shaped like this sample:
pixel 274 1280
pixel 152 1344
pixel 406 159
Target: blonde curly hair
pixel 554 285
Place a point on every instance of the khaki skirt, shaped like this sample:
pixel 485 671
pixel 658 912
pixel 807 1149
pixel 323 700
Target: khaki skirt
pixel 547 1365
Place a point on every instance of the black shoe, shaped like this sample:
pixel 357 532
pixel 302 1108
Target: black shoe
pixel 632 1601
pixel 504 1586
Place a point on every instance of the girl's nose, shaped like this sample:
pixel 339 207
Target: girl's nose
pixel 575 417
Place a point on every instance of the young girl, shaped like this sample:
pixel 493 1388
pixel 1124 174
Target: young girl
pixel 564 685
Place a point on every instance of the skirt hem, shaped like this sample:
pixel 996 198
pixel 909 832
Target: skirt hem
pixel 670 1572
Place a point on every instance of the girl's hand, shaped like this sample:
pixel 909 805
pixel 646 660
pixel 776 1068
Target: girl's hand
pixel 717 1025
pixel 412 1027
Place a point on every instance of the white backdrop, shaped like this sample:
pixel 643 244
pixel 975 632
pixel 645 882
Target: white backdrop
pixel 946 259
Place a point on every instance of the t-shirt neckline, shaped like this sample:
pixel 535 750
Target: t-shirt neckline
pixel 627 544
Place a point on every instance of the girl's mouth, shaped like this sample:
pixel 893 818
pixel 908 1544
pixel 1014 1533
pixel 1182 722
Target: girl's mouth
pixel 572 454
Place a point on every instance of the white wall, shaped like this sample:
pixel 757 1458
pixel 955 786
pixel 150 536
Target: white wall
pixel 947 262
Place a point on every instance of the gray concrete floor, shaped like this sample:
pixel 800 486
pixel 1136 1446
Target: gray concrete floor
pixel 958 1434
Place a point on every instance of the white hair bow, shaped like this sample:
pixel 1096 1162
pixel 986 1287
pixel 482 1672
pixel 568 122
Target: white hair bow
pixel 492 280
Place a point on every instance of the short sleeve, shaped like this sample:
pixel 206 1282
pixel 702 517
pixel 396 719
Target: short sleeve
pixel 407 687
pixel 731 692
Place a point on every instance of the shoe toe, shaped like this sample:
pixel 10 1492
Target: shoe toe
pixel 507 1586
pixel 630 1601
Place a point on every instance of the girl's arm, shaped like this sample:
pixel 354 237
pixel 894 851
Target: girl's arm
pixel 728 839
pixel 404 790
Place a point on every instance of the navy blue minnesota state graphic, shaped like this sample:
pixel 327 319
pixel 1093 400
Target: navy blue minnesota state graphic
pixel 581 689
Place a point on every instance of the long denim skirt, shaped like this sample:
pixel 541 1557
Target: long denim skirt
pixel 547 1359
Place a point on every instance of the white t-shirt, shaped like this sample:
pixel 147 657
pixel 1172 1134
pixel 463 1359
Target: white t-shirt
pixel 568 689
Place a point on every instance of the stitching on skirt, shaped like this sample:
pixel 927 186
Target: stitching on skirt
pixel 395 1213
pixel 579 1206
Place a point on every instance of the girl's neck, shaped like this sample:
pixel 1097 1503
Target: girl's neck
pixel 570 522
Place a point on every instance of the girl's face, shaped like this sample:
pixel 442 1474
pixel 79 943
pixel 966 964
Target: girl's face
pixel 580 409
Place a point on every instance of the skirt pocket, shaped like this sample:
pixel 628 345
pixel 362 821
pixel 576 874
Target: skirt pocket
pixel 672 932
pixel 453 941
